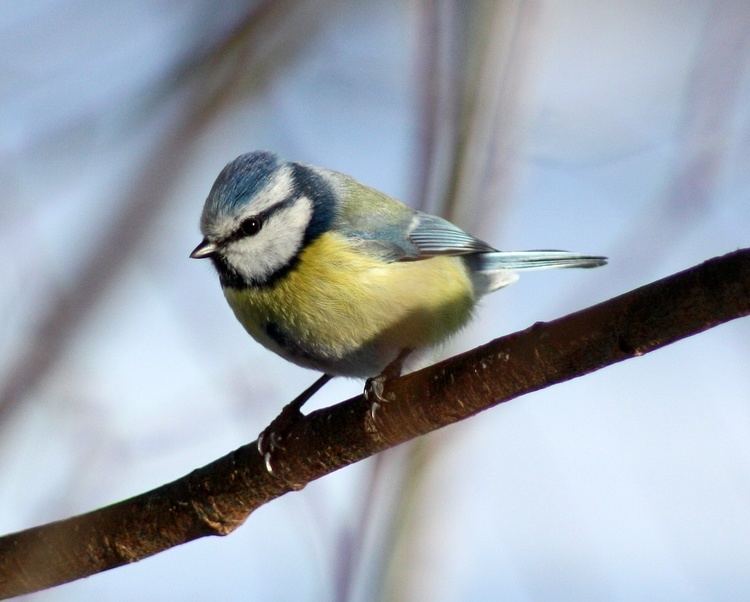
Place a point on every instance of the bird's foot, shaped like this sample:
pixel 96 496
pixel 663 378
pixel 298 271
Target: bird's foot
pixel 375 394
pixel 270 440
pixel 272 436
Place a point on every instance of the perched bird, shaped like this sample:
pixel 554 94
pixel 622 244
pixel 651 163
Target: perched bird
pixel 338 277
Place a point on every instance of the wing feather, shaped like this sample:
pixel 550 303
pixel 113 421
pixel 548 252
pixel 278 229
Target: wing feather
pixel 387 227
pixel 433 235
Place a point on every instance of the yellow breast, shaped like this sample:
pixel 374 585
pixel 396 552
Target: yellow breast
pixel 347 312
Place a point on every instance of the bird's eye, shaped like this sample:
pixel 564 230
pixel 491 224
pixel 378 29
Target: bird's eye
pixel 250 226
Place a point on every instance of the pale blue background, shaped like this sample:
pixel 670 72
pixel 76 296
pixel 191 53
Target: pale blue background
pixel 632 483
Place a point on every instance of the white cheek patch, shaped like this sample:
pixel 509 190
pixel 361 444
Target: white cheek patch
pixel 219 229
pixel 258 257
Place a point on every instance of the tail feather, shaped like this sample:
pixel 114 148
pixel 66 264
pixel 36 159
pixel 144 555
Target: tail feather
pixel 536 260
pixel 491 271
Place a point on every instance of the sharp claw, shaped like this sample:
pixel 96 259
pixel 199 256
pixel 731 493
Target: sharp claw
pixel 374 407
pixel 374 389
pixel 267 460
pixel 268 443
pixel 375 386
pixel 270 439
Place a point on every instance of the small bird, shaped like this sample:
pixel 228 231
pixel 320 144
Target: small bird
pixel 338 277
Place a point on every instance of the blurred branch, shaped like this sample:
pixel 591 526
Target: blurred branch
pixel 352 542
pixel 438 85
pixel 438 82
pixel 711 103
pixel 473 65
pixel 256 48
pixel 216 74
pixel 499 39
pixel 403 539
pixel 216 499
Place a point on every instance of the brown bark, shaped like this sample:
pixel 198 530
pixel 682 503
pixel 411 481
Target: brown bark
pixel 216 499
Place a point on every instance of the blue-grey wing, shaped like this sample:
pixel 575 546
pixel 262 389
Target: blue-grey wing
pixel 387 227
pixel 433 235
pixel 421 236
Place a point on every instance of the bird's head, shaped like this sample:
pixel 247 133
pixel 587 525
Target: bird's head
pixel 260 214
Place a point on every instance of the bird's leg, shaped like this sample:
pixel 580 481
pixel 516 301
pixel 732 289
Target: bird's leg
pixel 269 439
pixel 374 386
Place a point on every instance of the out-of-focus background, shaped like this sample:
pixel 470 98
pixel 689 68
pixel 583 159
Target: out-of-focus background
pixel 614 128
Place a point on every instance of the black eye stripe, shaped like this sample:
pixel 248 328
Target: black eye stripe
pixel 253 224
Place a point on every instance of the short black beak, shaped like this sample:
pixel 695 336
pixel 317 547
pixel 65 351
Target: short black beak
pixel 205 249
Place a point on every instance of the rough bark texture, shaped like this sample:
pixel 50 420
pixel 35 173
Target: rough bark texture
pixel 216 499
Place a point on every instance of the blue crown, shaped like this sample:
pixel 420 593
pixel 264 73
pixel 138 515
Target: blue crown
pixel 240 180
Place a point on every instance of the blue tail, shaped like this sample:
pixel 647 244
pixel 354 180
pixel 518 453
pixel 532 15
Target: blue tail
pixel 536 260
pixel 495 269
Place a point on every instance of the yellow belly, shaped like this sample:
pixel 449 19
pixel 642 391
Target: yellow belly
pixel 349 313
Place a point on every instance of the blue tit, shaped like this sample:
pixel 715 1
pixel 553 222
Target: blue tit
pixel 338 277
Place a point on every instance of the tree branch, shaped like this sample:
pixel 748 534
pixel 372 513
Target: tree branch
pixel 216 499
